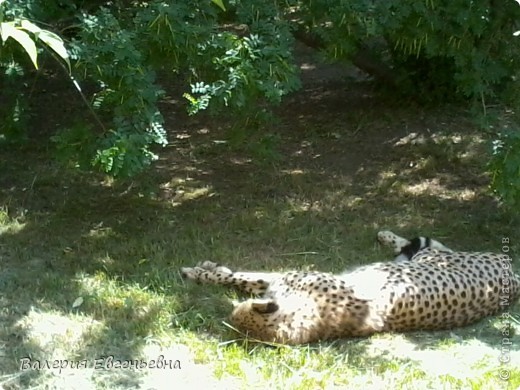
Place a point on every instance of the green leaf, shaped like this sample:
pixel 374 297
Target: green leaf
pixel 49 38
pixel 31 27
pixel 77 303
pixel 4 30
pixel 8 30
pixel 55 43
pixel 220 3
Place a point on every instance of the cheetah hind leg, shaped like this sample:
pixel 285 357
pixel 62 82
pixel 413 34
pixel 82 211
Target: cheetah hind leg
pixel 209 272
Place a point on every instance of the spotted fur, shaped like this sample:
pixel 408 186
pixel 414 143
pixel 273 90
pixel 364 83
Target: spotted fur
pixel 435 289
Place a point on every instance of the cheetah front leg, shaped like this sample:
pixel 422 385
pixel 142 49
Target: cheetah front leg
pixel 212 273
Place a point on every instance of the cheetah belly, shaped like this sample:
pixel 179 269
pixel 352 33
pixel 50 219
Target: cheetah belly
pixel 436 299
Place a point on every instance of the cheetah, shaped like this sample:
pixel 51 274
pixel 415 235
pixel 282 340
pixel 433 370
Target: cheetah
pixel 427 287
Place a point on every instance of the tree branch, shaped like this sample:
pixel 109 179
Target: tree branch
pixel 362 59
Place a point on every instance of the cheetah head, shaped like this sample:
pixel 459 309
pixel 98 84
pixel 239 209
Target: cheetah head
pixel 269 320
pixel 254 317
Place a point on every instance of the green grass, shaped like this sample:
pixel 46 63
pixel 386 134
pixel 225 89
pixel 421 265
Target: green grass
pixel 90 267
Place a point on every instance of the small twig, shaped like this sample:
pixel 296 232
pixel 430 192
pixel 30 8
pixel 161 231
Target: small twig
pixel 298 253
pixel 292 370
pixel 32 184
pixel 483 100
pixel 76 84
pixel 514 319
pixel 252 339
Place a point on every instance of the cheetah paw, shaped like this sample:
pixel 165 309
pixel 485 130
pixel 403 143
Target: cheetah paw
pixel 392 240
pixel 192 273
pixel 202 268
pixel 207 265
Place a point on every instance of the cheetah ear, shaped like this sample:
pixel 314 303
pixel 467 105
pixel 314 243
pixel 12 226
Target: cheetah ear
pixel 265 306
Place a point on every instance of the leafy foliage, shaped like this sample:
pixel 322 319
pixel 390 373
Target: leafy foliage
pixel 235 58
pixel 438 49
pixel 119 70
pixel 14 111
pixel 20 35
pixel 119 48
pixel 20 29
pixel 505 166
pixel 246 68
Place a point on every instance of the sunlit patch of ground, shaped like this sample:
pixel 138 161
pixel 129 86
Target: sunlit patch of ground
pixel 54 358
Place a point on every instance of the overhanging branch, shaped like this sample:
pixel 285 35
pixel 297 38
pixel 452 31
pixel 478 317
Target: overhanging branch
pixel 362 59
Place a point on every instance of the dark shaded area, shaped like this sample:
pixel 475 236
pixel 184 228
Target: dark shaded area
pixel 363 58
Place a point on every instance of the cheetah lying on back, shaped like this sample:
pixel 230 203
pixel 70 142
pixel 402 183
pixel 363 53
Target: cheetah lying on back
pixel 427 286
